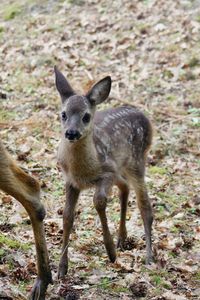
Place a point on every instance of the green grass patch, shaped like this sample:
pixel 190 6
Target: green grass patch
pixel 195 122
pixel 11 11
pixel 2 253
pixel 55 254
pixel 171 97
pixel 192 210
pixel 198 18
pixel 174 229
pixel 193 62
pixel 120 289
pixel 6 115
pixel 172 200
pixel 173 47
pixel 194 111
pixel 1 29
pixel 13 244
pixel 197 276
pixel 158 170
pixel 168 74
pixel 59 186
pixel 22 286
pixel 105 283
pixel 159 278
pixel 83 275
pixel 115 217
pixel 88 233
pixel 58 193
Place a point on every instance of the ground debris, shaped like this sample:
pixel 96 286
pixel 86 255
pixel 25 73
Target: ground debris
pixel 151 51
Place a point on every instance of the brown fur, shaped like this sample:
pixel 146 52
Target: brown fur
pixel 107 149
pixel 85 169
pixel 26 189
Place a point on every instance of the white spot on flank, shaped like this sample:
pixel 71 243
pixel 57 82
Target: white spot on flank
pixel 115 116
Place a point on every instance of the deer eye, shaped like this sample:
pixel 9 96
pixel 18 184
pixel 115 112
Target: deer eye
pixel 63 116
pixel 86 118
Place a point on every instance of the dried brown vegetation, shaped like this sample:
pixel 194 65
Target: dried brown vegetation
pixel 151 50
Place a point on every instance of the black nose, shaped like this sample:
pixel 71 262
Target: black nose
pixel 72 135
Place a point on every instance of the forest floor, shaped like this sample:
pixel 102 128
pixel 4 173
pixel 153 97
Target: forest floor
pixel 151 50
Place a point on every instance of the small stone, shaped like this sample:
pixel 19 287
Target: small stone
pixel 160 27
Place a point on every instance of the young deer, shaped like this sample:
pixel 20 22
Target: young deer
pixel 26 190
pixel 102 149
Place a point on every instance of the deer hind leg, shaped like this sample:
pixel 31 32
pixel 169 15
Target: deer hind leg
pixel 44 272
pixel 100 203
pixel 26 190
pixel 36 213
pixel 123 195
pixel 68 220
pixel 145 208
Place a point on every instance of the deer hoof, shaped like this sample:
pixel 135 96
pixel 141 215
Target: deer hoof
pixel 110 248
pixel 112 254
pixel 62 270
pixel 120 243
pixel 39 288
pixel 112 258
pixel 150 259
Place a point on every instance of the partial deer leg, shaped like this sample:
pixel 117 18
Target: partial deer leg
pixel 36 212
pixel 146 213
pixel 100 202
pixel 124 192
pixel 44 273
pixel 68 220
pixel 26 190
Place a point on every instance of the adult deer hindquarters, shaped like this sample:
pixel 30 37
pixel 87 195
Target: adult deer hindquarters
pixel 102 149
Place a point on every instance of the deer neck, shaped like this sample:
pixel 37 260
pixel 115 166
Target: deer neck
pixel 80 160
pixel 83 151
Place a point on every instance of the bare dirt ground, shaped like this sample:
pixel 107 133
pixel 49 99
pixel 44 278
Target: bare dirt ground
pixel 151 50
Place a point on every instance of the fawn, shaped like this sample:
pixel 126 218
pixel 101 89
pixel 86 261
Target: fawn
pixel 26 189
pixel 102 149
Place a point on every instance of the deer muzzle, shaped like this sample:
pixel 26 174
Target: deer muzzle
pixel 72 135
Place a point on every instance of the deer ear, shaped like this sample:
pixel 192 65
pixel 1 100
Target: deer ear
pixel 62 85
pixel 100 91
